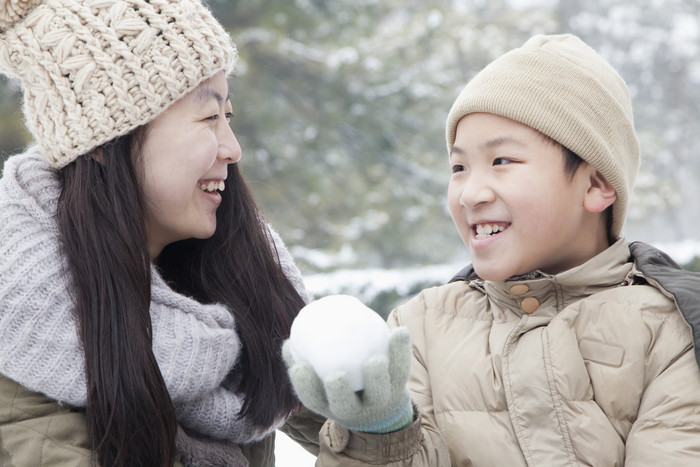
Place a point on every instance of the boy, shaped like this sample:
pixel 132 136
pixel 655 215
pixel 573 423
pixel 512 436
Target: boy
pixel 555 347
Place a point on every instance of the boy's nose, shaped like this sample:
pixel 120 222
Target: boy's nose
pixel 229 149
pixel 476 191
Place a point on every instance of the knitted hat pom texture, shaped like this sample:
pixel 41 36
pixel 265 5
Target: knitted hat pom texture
pixel 93 70
pixel 562 88
pixel 12 11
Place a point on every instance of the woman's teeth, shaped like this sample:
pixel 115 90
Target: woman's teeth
pixel 211 186
pixel 486 230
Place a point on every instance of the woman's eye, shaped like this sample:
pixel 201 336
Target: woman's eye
pixel 458 168
pixel 228 116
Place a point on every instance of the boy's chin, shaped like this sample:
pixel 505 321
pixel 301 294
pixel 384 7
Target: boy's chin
pixel 493 274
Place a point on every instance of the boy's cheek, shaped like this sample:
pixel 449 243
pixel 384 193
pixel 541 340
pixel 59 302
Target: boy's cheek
pixel 457 212
pixel 462 227
pixel 453 194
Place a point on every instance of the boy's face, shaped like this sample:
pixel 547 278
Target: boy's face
pixel 514 206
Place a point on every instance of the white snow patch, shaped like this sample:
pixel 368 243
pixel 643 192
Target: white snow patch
pixel 366 284
pixel 289 454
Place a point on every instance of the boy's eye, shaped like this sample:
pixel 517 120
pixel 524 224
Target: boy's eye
pixel 501 161
pixel 229 116
pixel 458 168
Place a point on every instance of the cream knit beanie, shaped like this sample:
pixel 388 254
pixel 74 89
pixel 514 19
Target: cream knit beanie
pixel 561 87
pixel 92 70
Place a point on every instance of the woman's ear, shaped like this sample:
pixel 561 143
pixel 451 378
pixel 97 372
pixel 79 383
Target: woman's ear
pixel 600 194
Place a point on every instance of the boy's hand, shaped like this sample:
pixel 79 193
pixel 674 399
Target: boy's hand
pixel 383 406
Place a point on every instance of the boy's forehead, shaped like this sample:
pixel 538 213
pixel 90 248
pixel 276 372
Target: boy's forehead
pixel 487 131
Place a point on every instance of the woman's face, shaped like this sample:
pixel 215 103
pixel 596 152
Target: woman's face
pixel 184 159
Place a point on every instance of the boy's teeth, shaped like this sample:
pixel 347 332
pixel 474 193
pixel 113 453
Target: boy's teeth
pixel 486 230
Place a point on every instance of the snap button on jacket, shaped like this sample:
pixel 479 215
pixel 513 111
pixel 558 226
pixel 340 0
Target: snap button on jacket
pixel 530 305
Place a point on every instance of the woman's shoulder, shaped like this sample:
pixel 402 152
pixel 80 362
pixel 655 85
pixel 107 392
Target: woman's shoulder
pixel 36 430
pixel 31 161
pixel 30 183
pixel 289 267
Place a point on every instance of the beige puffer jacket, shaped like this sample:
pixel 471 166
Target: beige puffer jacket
pixel 588 367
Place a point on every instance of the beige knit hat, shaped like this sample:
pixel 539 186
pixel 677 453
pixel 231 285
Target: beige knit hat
pixel 93 70
pixel 561 87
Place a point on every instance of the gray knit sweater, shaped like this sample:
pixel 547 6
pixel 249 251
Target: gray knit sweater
pixel 196 345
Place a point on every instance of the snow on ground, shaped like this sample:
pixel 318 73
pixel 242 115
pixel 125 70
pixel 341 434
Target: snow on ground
pixel 289 454
pixel 366 284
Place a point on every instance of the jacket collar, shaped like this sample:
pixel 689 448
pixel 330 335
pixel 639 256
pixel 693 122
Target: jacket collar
pixel 541 293
pixel 660 271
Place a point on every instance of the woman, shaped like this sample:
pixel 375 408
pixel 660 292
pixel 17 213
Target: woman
pixel 142 296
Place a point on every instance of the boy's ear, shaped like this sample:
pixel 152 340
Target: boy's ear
pixel 600 193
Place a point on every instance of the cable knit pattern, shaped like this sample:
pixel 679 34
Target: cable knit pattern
pixel 93 70
pixel 196 345
pixel 12 11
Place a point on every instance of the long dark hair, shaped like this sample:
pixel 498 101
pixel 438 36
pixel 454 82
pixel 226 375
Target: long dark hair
pixel 101 219
pixel 239 267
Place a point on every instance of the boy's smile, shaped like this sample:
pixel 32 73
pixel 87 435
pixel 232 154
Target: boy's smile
pixel 514 206
pixel 483 231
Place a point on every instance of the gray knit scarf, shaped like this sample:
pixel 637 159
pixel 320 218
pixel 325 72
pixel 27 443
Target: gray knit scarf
pixel 196 345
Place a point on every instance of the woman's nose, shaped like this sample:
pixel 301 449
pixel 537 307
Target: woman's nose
pixel 229 149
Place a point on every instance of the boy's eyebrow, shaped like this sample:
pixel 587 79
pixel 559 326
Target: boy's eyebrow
pixel 501 140
pixel 208 92
pixel 491 143
pixel 456 150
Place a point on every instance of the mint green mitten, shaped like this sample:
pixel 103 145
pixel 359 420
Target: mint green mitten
pixel 383 406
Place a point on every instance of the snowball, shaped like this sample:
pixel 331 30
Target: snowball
pixel 338 332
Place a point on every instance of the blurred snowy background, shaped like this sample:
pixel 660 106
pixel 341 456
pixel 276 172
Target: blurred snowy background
pixel 340 109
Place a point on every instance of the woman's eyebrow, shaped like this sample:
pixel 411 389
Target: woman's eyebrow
pixel 208 92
